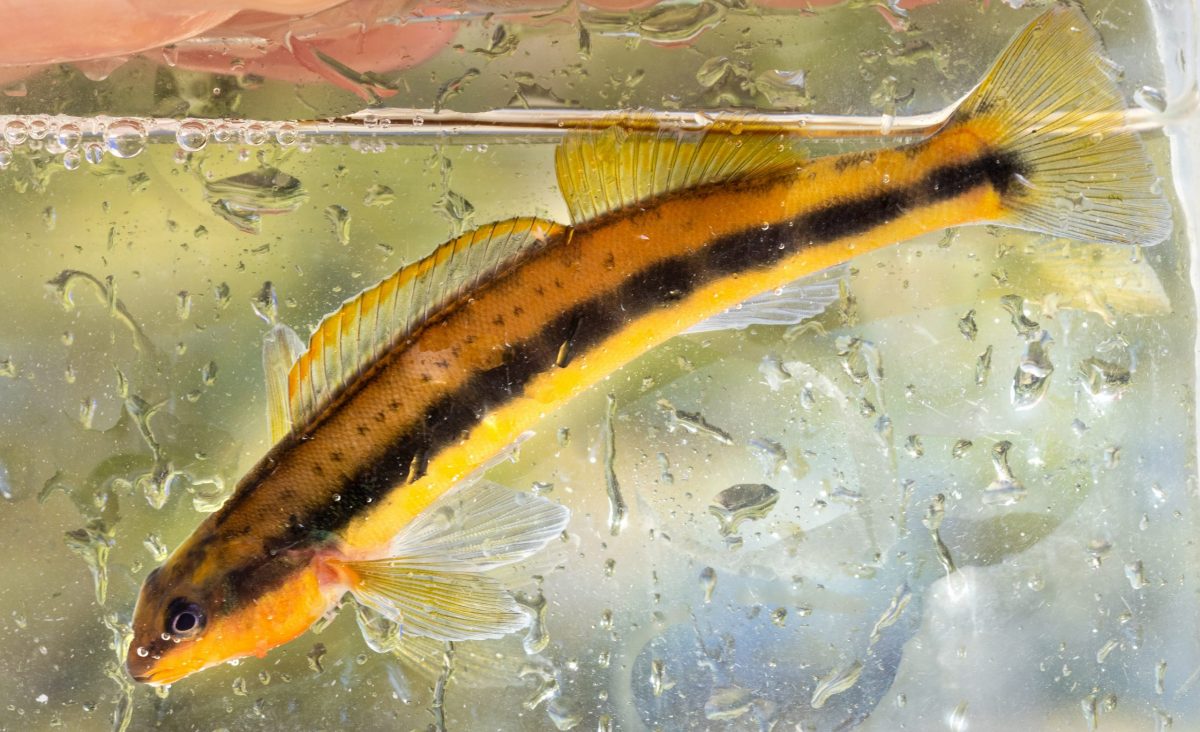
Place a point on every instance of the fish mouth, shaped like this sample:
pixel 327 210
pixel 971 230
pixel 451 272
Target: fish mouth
pixel 146 670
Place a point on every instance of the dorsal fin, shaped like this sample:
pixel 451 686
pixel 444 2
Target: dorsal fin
pixel 357 333
pixel 604 171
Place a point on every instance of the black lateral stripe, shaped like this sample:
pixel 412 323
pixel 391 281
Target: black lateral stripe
pixel 453 416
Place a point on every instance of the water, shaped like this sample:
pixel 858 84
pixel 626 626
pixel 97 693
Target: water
pixel 963 497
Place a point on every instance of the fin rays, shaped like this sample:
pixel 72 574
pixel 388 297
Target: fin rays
pixel 351 338
pixel 1055 105
pixel 435 583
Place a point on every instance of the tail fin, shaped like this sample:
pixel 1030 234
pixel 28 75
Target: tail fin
pixel 1054 105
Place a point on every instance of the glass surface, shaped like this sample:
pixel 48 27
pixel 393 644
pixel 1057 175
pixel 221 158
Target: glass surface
pixel 883 590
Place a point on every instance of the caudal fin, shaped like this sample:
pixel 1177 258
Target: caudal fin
pixel 1051 101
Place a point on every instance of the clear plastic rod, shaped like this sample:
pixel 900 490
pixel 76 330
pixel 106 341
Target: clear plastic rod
pixel 422 125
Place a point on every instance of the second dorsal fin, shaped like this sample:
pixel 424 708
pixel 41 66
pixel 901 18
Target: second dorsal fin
pixel 351 337
pixel 604 171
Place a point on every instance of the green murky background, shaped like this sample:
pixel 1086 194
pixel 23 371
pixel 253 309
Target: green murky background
pixel 131 398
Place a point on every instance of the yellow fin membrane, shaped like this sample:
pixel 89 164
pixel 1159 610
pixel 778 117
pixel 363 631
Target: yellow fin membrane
pixel 1051 101
pixel 281 348
pixel 1095 277
pixel 434 584
pixel 355 335
pixel 616 168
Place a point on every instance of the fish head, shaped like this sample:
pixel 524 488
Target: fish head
pixel 211 603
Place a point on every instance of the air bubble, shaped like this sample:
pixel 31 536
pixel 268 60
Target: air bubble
pixel 38 129
pixel 93 152
pixel 69 136
pixel 255 134
pixel 287 134
pixel 125 138
pixel 192 135
pixel 16 132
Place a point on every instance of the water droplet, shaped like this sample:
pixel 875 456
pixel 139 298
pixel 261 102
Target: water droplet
pixel 125 138
pixel 708 583
pixel 315 657
pixel 1104 380
pixel 914 446
pixel 1032 378
pixel 92 543
pixel 239 686
pixel 208 374
pixel 860 360
pixel 692 422
pixel 1005 490
pixel 618 510
pixel 142 652
pixel 266 304
pixel 895 608
pixel 6 157
pixel 222 294
pixel 727 702
pixel 1135 573
pixel 379 195
pixel 658 677
pixel 783 88
pixel 957 721
pixel 967 326
pixel 838 680
pixel 192 135
pixel 537 637
pixel 87 413
pixel 183 304
pixel 770 453
pixel 1160 677
pixel 779 616
pixel 243 199
pixel 741 502
pixel 71 159
pixel 156 547
pixel 1015 305
pixel 1151 98
pixel 339 219
pixel 1106 649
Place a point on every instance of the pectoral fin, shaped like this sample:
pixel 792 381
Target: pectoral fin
pixel 448 606
pixel 794 303
pixel 435 582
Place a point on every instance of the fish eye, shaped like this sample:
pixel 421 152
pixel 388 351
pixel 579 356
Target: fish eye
pixel 184 618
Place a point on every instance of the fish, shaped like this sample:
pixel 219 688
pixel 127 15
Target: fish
pixel 401 399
